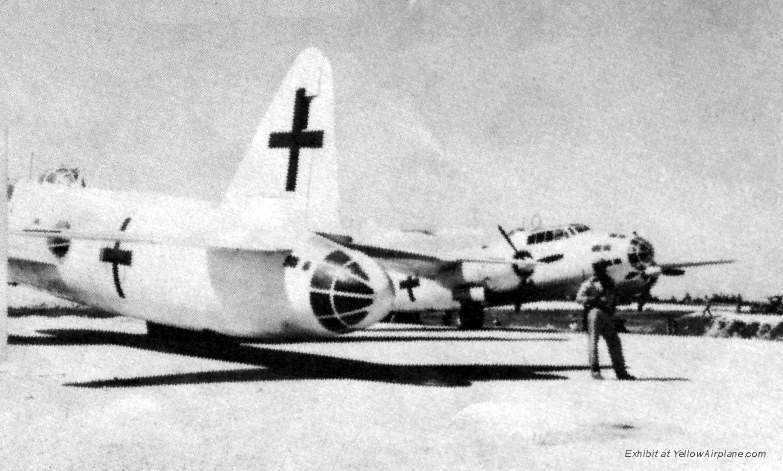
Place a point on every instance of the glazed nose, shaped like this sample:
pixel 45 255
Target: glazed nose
pixel 349 292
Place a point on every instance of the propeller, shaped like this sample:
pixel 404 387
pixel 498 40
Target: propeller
pixel 518 254
pixel 521 273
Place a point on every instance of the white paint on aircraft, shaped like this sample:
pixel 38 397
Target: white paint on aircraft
pixel 285 187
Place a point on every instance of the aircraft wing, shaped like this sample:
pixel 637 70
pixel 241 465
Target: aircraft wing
pixel 448 271
pixel 676 268
pixel 416 263
pixel 258 243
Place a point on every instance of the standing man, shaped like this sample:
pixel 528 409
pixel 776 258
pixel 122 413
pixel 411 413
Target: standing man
pixel 597 294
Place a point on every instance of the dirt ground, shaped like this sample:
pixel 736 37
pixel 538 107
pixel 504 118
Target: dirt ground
pixel 96 393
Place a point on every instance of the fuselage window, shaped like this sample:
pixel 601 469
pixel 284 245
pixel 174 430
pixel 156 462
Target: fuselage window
pixel 549 236
pixel 539 237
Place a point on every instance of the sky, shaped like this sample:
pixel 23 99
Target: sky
pixel 660 117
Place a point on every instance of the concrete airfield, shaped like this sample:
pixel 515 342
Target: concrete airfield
pixel 95 393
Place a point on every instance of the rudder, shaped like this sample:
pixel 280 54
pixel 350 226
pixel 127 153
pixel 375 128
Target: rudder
pixel 290 170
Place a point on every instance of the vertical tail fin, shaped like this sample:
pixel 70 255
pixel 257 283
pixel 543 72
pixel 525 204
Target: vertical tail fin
pixel 290 170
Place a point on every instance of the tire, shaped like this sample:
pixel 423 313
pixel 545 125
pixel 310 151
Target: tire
pixel 448 319
pixel 470 317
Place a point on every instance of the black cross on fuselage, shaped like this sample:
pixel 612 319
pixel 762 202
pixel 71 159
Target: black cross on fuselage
pixel 117 257
pixel 297 138
pixel 409 284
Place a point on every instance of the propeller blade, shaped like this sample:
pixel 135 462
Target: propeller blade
pixel 507 237
pixel 522 270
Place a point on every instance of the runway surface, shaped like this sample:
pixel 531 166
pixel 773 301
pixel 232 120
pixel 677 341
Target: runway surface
pixel 96 393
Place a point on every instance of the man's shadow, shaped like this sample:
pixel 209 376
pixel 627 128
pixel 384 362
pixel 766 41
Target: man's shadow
pixel 282 365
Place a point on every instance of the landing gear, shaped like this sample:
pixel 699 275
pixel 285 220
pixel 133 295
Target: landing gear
pixel 671 326
pixel 470 316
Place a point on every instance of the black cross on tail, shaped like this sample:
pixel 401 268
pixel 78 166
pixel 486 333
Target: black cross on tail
pixel 408 284
pixel 297 138
pixel 117 257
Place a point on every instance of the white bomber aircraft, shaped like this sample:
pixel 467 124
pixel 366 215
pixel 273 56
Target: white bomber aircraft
pixel 264 262
pixel 552 263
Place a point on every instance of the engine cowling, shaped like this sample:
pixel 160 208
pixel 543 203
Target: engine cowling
pixel 344 290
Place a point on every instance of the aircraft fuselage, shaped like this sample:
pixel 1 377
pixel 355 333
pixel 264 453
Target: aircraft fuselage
pixel 229 291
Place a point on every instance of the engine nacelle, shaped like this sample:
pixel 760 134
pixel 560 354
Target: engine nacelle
pixel 494 276
pixel 342 289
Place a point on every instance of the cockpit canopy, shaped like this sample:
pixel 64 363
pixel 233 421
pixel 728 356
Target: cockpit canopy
pixel 63 176
pixel 549 235
pixel 57 176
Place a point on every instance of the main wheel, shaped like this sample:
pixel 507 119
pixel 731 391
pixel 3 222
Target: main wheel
pixel 470 316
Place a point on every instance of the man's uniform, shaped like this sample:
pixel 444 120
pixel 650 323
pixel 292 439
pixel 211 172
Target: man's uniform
pixel 600 304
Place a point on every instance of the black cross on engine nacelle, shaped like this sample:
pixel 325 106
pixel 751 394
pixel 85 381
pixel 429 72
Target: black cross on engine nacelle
pixel 297 138
pixel 408 284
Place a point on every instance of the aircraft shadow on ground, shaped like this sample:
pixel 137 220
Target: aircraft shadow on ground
pixel 661 379
pixel 428 338
pixel 430 328
pixel 17 312
pixel 279 365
